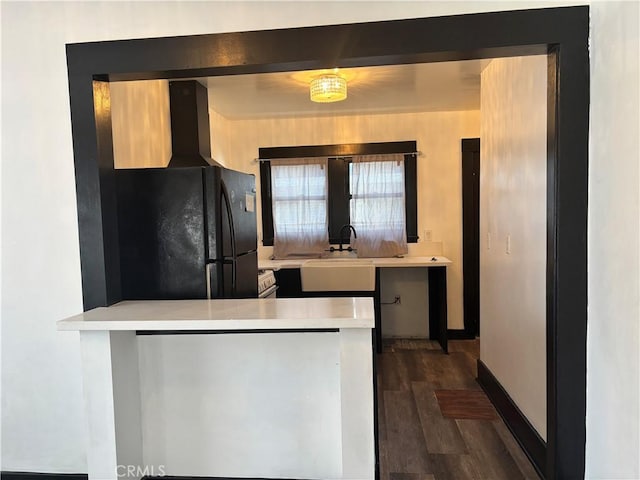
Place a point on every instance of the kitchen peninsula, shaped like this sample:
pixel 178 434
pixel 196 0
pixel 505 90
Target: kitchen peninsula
pixel 284 388
pixel 437 286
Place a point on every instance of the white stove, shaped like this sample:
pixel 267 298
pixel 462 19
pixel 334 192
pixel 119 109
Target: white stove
pixel 266 284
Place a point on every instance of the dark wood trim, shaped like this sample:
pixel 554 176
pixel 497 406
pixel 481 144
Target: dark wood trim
pixel 338 182
pixel 338 202
pixel 554 461
pixel 233 332
pixel 42 476
pixel 459 334
pixel 84 476
pixel 266 205
pixel 562 33
pixel 337 150
pixel 438 306
pixel 567 195
pixel 377 311
pixel 174 477
pixel 421 40
pixel 374 354
pixel 289 283
pixel 471 234
pixel 349 293
pixel 470 144
pixel 532 444
pixel 411 197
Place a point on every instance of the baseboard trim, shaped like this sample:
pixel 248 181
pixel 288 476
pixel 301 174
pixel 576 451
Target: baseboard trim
pixel 42 476
pixel 84 476
pixel 532 444
pixel 202 478
pixel 459 334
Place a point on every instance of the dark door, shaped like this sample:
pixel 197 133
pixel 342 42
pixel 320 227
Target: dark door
pixel 213 207
pixel 238 215
pixel 161 227
pixel 471 234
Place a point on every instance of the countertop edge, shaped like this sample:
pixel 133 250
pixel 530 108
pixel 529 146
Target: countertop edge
pixel 211 325
pixel 245 314
pixel 399 262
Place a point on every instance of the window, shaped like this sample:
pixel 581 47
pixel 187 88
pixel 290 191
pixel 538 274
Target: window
pixel 299 206
pixel 377 204
pixel 352 191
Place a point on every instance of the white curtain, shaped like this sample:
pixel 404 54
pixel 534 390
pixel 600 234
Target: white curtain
pixel 299 202
pixel 378 205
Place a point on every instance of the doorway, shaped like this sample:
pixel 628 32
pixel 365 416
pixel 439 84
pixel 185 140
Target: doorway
pixel 471 235
pixel 560 33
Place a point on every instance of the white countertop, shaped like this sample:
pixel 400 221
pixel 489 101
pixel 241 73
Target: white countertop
pixel 266 264
pixel 246 314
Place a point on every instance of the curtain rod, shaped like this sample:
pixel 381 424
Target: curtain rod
pixel 417 154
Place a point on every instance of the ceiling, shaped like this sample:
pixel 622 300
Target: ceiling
pixel 444 86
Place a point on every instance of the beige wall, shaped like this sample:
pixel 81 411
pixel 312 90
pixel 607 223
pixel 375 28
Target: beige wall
pixel 438 137
pixel 140 123
pixel 513 193
pixel 220 138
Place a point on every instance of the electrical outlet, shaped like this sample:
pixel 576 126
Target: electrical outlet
pixel 427 236
pixel 397 300
pixel 508 244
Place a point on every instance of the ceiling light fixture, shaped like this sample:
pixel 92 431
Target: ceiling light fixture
pixel 328 88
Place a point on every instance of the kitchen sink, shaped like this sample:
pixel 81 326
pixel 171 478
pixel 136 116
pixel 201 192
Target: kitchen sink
pixel 338 275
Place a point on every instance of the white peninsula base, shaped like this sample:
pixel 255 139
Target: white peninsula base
pixel 275 388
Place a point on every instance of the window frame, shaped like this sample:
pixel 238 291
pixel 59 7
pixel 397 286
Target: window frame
pixel 338 182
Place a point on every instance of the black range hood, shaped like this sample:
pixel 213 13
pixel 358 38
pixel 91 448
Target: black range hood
pixel 190 134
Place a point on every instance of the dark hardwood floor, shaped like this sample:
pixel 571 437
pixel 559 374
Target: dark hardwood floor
pixel 417 442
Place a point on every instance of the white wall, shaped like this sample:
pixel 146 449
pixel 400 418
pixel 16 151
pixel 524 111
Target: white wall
pixel 513 191
pixel 285 386
pixel 42 423
pixel 439 179
pixel 613 336
pixel 409 318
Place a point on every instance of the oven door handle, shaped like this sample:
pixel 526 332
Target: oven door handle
pixel 268 292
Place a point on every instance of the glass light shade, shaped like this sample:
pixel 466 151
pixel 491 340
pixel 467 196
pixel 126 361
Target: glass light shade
pixel 328 88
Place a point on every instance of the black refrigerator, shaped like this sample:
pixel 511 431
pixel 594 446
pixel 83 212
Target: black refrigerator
pixel 187 233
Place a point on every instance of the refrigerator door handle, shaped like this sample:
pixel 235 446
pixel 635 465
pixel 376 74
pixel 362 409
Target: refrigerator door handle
pixel 227 203
pixel 208 273
pixel 234 268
